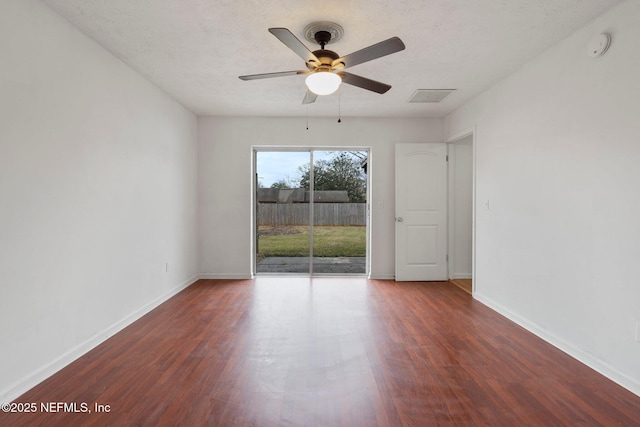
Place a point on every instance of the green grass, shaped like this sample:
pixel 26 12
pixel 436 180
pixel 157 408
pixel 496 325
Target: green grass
pixel 329 241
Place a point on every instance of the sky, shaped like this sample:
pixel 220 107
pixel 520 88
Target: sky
pixel 273 166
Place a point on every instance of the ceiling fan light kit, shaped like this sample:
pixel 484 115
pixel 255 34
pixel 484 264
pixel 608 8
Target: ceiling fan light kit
pixel 323 82
pixel 325 67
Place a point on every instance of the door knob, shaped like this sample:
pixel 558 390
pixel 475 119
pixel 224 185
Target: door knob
pixel 399 219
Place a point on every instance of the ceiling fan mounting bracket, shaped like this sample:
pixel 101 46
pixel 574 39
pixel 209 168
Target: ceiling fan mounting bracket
pixel 334 30
pixel 323 38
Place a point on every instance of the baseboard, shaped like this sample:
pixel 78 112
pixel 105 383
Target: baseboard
pixel 592 362
pixel 31 380
pixel 461 276
pixel 383 277
pixel 225 276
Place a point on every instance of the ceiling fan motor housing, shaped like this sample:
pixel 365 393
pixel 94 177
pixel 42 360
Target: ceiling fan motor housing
pixel 326 61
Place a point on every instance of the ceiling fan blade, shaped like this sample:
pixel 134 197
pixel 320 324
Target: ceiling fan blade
pixel 292 42
pixel 309 97
pixel 269 75
pixel 363 82
pixel 378 50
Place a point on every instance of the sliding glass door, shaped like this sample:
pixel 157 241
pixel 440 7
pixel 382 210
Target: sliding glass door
pixel 311 211
pixel 283 238
pixel 339 212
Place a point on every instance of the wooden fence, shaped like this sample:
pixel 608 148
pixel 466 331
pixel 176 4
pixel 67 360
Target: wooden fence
pixel 324 213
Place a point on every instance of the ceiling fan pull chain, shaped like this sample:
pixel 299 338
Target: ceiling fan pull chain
pixel 339 105
pixel 307 116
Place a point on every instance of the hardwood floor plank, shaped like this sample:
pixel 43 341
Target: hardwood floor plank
pixel 464 284
pixel 328 352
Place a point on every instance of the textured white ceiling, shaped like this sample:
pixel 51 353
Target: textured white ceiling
pixel 196 49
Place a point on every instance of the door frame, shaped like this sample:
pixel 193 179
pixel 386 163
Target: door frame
pixel 310 149
pixel 471 132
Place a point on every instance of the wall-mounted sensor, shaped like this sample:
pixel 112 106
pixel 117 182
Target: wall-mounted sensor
pixel 599 45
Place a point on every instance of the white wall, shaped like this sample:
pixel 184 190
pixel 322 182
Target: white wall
pixel 98 190
pixel 225 179
pixel 557 150
pixel 460 208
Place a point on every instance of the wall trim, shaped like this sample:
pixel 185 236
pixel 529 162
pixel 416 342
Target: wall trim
pixel 382 277
pixel 36 377
pixel 457 136
pixel 592 362
pixel 226 276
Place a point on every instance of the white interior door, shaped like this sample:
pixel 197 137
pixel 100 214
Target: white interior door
pixel 421 211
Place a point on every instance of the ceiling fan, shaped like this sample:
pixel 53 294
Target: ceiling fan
pixel 325 67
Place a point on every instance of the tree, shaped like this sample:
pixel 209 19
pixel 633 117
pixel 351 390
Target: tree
pixel 285 183
pixel 342 172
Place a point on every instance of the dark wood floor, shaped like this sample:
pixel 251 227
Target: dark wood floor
pixel 464 284
pixel 328 352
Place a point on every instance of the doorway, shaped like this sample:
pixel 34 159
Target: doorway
pixel 461 214
pixel 435 211
pixel 311 211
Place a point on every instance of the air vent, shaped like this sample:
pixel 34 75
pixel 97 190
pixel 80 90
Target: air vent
pixel 430 95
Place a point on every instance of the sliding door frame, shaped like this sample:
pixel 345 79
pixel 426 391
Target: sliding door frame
pixel 254 219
